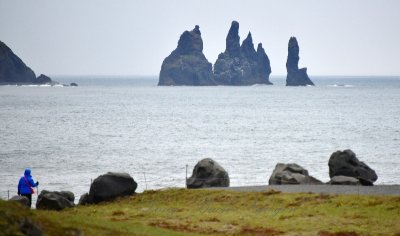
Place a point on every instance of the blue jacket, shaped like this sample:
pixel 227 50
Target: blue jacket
pixel 23 187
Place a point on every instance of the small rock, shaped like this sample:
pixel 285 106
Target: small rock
pixel 291 174
pixel 73 85
pixel 27 227
pixel 21 199
pixel 84 199
pixel 208 173
pixel 344 180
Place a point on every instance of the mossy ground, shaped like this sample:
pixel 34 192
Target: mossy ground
pixel 217 212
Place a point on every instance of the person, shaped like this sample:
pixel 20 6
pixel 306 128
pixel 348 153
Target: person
pixel 26 185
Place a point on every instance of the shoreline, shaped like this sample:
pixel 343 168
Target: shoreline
pixel 328 189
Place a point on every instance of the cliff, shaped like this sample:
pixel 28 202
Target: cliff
pixel 14 71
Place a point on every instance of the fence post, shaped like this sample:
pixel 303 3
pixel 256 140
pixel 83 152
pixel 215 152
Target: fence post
pixel 145 181
pixel 186 175
pixel 8 195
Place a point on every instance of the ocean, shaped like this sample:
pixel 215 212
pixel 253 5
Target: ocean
pixel 70 135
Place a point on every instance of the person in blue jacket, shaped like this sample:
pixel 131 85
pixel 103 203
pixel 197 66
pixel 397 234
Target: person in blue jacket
pixel 26 185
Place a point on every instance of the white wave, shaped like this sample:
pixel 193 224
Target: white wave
pixel 341 85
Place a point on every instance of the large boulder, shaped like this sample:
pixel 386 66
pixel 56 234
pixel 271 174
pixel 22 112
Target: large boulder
pixel 55 200
pixel 241 64
pixel 110 186
pixel 208 173
pixel 14 71
pixel 21 200
pixel 295 76
pixel 291 174
pixel 187 65
pixel 347 164
pixel 344 180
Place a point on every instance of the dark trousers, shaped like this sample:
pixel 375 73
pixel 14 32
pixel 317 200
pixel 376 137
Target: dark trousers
pixel 29 196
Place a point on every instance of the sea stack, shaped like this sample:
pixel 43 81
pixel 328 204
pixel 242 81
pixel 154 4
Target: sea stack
pixel 241 64
pixel 187 65
pixel 295 76
pixel 14 71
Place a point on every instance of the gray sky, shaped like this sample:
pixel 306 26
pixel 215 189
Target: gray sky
pixel 99 37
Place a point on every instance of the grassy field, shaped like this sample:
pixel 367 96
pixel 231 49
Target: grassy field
pixel 215 212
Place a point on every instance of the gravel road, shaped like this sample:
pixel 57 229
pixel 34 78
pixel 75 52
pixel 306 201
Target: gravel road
pixel 337 189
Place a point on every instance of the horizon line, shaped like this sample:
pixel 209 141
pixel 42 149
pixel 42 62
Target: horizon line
pixel 153 75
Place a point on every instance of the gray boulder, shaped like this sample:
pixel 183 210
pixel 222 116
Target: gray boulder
pixel 347 164
pixel 187 65
pixel 295 76
pixel 20 199
pixel 241 64
pixel 84 199
pixel 208 173
pixel 55 200
pixel 110 186
pixel 291 174
pixel 344 180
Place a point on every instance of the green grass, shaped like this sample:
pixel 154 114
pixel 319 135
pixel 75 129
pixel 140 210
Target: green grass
pixel 199 212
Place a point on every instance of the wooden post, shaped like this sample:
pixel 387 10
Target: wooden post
pixel 145 181
pixel 186 175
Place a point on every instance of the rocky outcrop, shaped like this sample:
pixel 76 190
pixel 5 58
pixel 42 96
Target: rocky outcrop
pixel 55 200
pixel 110 186
pixel 295 76
pixel 187 65
pixel 21 200
pixel 346 163
pixel 43 79
pixel 14 71
pixel 291 174
pixel 208 173
pixel 73 84
pixel 241 65
pixel 344 180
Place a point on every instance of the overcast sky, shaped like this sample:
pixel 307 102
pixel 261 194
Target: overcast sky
pixel 99 37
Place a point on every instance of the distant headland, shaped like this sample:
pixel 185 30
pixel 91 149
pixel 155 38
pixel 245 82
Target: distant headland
pixel 239 65
pixel 14 71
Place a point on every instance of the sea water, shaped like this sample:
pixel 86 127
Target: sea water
pixel 70 135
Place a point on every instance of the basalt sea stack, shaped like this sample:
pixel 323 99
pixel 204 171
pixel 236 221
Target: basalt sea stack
pixel 14 71
pixel 295 76
pixel 187 65
pixel 241 64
